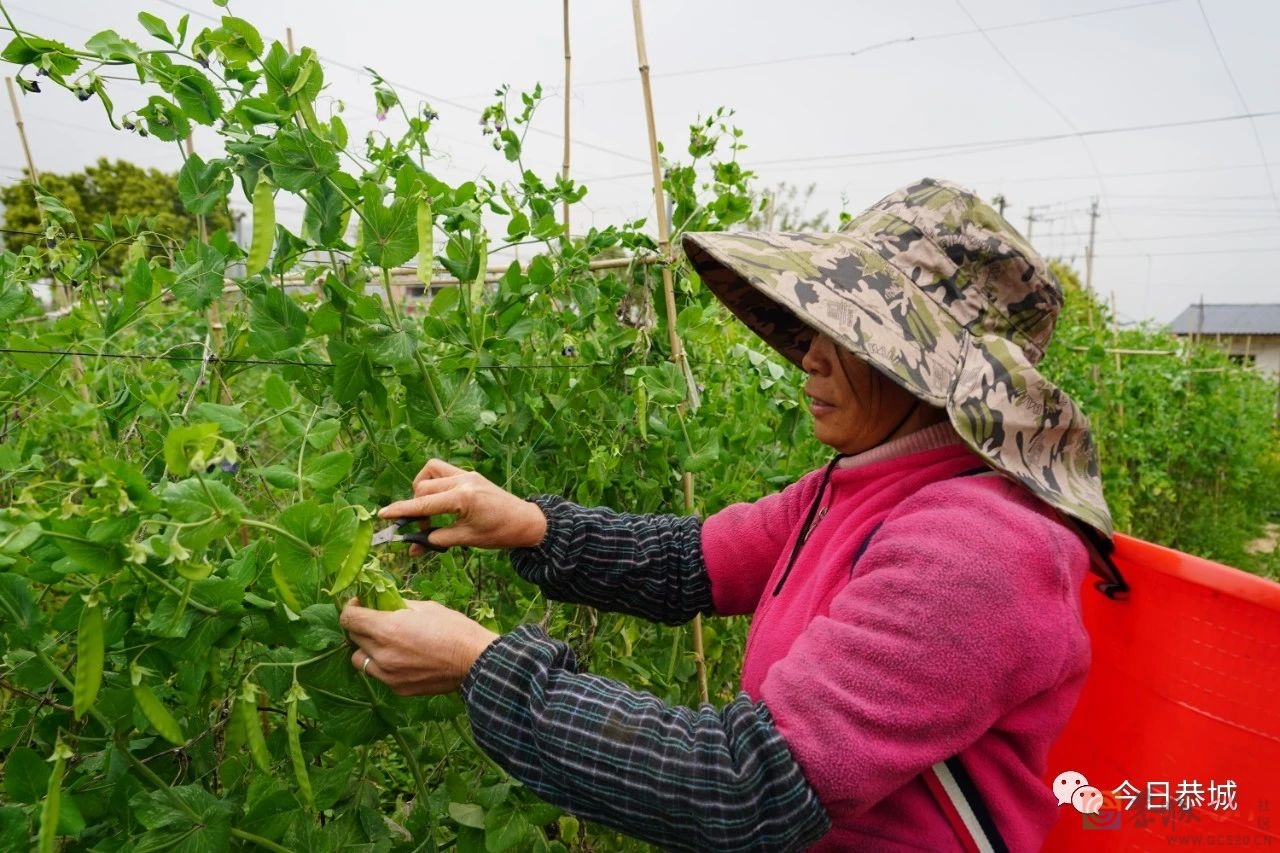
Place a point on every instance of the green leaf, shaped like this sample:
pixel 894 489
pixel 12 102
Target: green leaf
pixel 201 270
pixel 209 505
pixel 394 348
pixel 278 394
pixel 390 233
pixel 467 814
pixel 327 213
pixel 26 775
pixel 109 45
pixel 203 187
pixel 328 532
pixel 299 159
pixel 15 299
pixel 156 27
pixel 323 432
pixel 15 834
pixel 505 826
pixel 188 448
pixel 352 372
pixel 280 476
pixel 277 323
pixel 196 95
pixel 541 272
pixel 165 120
pixel 172 829
pixel 18 539
pixel 327 471
pixel 229 419
pixel 244 44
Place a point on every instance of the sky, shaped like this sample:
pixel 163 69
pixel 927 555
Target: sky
pixel 1142 105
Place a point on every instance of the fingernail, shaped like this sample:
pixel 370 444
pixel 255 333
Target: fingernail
pixel 382 513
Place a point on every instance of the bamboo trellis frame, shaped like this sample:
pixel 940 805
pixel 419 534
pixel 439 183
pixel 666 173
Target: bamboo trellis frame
pixel 669 298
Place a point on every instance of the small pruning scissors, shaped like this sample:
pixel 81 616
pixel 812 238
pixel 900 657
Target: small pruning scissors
pixel 395 532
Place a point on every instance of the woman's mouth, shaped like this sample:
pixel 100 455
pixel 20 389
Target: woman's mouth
pixel 819 406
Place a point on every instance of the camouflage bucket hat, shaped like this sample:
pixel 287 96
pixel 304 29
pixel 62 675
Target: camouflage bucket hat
pixel 939 292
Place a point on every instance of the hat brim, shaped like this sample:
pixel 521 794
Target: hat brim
pixel 786 286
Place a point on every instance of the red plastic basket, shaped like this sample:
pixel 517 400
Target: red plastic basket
pixel 1184 690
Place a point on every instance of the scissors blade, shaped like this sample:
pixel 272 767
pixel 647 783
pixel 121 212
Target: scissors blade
pixel 407 530
pixel 386 534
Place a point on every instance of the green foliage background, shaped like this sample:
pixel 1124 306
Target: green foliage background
pixel 188 457
pixel 122 200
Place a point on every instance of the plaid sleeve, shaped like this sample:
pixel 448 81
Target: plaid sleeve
pixel 684 779
pixel 645 565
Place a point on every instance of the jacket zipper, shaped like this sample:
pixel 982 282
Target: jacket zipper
pixel 816 514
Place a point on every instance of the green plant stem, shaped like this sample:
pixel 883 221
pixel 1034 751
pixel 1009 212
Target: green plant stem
pixel 264 843
pixel 430 382
pixel 416 769
pixel 391 300
pixel 14 27
pixel 471 742
pixel 279 531
pixel 203 608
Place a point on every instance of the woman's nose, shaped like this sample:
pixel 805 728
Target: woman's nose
pixel 817 359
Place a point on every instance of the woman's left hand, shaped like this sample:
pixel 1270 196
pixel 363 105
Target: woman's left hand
pixel 425 649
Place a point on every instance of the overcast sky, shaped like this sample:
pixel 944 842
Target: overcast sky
pixel 856 96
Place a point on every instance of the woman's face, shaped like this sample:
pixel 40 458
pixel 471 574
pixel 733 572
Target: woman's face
pixel 854 407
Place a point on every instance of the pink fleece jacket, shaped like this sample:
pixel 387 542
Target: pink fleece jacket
pixel 957 632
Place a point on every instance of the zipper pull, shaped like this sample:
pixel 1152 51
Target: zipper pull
pixel 808 531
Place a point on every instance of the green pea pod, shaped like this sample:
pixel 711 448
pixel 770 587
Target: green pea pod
pixel 158 715
pixel 355 557
pixel 264 225
pixel 49 811
pixel 482 250
pixel 426 249
pixel 642 410
pixel 285 587
pixel 385 594
pixel 89 658
pixel 294 731
pixel 245 715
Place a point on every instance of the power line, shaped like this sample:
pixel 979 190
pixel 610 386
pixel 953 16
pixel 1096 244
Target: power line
pixel 1246 251
pixel 808 57
pixel 438 99
pixel 1257 138
pixel 255 362
pixel 1183 236
pixel 1008 142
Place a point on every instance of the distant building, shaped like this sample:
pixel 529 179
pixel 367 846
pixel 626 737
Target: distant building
pixel 1249 333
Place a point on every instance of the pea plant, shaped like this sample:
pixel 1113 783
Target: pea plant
pixel 190 456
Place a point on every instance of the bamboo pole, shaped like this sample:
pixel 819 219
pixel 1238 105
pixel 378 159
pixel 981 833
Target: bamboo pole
pixel 216 328
pixel 567 78
pixel 56 295
pixel 22 131
pixel 77 366
pixel 669 297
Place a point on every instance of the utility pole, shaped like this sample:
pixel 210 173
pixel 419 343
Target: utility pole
pixel 1000 202
pixel 1031 219
pixel 1088 258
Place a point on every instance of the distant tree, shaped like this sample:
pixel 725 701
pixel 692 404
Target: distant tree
pixel 145 200
pixel 785 207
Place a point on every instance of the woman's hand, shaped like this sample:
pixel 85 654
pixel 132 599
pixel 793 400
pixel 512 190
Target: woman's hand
pixel 487 516
pixel 421 651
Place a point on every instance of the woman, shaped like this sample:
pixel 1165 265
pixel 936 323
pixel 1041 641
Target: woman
pixel 916 643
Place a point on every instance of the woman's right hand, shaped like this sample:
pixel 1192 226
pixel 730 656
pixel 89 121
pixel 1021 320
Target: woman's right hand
pixel 486 515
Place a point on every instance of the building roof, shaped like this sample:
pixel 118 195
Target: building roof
pixel 1205 319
